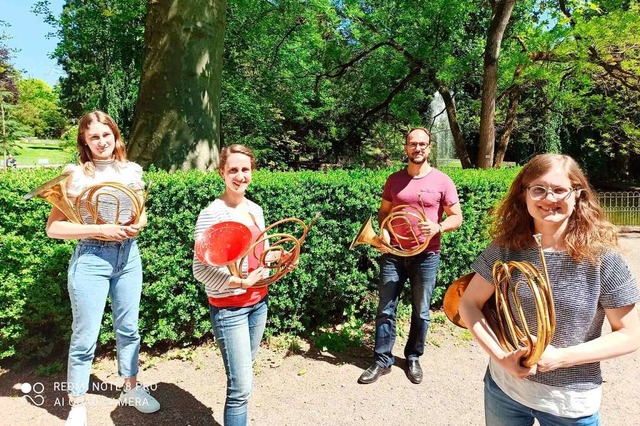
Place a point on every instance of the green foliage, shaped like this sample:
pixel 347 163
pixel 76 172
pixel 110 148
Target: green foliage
pixel 332 284
pixel 33 302
pixel 11 130
pixel 38 109
pixel 100 50
pixel 344 336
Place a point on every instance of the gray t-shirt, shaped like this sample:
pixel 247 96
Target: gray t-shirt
pixel 581 293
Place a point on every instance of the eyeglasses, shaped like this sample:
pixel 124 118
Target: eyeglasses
pixel 421 145
pixel 558 193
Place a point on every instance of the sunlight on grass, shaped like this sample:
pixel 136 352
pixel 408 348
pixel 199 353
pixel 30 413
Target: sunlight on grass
pixel 41 152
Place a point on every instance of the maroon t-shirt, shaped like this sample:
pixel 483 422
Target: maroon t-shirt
pixel 429 193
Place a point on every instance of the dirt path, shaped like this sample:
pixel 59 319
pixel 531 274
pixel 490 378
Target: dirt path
pixel 308 388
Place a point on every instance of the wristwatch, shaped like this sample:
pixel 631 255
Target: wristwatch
pixel 440 228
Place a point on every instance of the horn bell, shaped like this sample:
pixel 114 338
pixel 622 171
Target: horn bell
pixel 54 192
pixel 367 235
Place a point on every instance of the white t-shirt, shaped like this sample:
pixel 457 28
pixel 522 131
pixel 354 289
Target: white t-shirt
pixel 127 173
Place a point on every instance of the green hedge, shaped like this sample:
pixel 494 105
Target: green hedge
pixel 331 282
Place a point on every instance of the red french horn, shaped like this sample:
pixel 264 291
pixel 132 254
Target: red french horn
pixel 229 243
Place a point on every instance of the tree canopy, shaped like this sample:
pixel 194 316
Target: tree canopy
pixel 325 81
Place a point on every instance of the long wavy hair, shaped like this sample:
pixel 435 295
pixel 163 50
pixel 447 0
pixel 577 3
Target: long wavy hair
pixel 588 232
pixel 85 156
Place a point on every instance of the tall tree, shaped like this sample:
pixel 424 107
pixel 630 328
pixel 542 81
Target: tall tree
pixel 38 109
pixel 501 14
pixel 100 51
pixel 177 116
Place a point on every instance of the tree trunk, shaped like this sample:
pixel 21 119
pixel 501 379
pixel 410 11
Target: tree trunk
pixel 510 122
pixel 502 10
pixel 176 123
pixel 509 125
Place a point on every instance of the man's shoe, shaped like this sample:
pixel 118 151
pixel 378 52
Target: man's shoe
pixel 372 374
pixel 414 371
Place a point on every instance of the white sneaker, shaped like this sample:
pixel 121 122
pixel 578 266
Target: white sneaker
pixel 77 416
pixel 139 398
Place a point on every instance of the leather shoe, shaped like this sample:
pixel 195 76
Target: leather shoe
pixel 414 371
pixel 372 374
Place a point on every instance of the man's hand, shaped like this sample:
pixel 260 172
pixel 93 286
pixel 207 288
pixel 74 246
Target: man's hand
pixel 428 228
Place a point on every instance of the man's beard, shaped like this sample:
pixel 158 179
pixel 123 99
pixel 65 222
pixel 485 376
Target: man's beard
pixel 421 161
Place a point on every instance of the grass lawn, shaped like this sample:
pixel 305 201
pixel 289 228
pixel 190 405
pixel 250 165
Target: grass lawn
pixel 35 153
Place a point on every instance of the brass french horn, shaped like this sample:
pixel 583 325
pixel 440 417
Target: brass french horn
pixel 499 311
pixel 400 216
pixel 229 243
pixel 103 203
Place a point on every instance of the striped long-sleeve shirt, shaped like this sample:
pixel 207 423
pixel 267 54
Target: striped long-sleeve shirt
pixel 216 279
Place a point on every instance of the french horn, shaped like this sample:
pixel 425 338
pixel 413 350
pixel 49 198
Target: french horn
pixel 400 216
pixel 103 203
pixel 499 311
pixel 229 243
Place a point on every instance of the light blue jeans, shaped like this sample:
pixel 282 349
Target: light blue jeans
pixel 98 269
pixel 421 270
pixel 239 332
pixel 501 410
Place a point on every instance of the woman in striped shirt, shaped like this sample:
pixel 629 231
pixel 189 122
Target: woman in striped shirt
pixel 238 309
pixel 589 281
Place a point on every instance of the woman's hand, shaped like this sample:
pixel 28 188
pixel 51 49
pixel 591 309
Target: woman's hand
pixel 551 359
pixel 253 277
pixel 292 265
pixel 112 232
pixel 511 363
pixel 133 230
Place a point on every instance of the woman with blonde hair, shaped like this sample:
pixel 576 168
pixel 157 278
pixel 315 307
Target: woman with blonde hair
pixel 589 281
pixel 106 262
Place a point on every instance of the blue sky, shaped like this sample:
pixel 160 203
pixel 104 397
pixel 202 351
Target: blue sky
pixel 28 35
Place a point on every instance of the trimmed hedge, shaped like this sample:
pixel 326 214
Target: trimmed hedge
pixel 331 282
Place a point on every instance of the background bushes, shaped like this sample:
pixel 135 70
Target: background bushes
pixel 332 283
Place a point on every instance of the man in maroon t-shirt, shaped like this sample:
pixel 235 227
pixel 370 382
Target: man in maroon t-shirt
pixel 429 190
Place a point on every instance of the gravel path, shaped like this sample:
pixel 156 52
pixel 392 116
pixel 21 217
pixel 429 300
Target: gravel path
pixel 309 387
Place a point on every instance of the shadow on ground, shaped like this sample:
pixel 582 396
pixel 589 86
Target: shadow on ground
pixel 179 407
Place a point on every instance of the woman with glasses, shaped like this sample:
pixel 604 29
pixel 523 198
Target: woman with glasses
pixel 589 280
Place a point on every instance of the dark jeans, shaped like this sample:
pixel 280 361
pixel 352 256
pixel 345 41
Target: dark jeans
pixel 421 271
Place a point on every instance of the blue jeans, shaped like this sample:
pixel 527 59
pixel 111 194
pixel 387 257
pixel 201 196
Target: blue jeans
pixel 239 332
pixel 98 269
pixel 501 410
pixel 421 271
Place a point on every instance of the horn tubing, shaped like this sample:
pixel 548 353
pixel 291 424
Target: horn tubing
pixel 402 213
pixel 510 336
pixel 54 192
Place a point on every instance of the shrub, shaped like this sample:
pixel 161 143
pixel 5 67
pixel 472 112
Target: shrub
pixel 331 281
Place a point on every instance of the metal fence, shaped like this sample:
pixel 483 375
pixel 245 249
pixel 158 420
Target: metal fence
pixel 622 208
